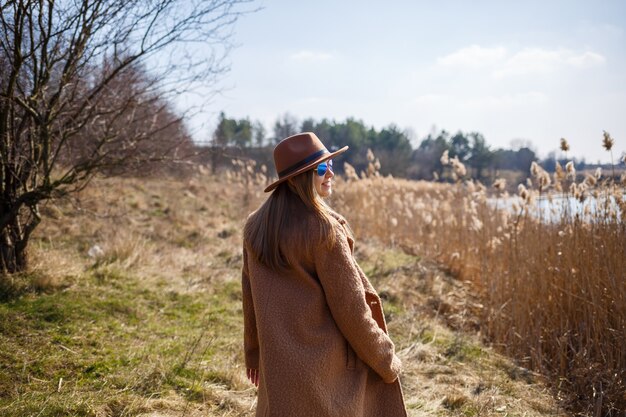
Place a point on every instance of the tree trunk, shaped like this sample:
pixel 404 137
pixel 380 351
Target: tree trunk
pixel 13 251
pixel 14 247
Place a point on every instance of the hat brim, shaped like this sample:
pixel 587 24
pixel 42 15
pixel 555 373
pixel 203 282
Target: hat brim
pixel 308 166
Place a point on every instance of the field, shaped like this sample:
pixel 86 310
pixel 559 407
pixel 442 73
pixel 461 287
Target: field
pixel 551 281
pixel 133 305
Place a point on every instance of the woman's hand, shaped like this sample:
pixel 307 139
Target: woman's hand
pixel 253 376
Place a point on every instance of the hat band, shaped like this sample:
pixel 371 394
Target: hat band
pixel 302 163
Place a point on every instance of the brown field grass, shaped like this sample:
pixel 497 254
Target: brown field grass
pixel 133 307
pixel 551 283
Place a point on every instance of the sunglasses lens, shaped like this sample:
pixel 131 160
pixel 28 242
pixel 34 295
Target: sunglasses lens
pixel 321 169
pixel 324 166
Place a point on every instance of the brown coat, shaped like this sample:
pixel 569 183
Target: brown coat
pixel 318 336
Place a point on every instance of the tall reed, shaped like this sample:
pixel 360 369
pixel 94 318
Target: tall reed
pixel 552 281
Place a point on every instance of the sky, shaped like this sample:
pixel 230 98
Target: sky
pixel 516 71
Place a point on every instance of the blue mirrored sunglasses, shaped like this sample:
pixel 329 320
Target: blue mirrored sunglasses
pixel 323 167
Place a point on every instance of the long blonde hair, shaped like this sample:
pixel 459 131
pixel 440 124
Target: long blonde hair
pixel 280 217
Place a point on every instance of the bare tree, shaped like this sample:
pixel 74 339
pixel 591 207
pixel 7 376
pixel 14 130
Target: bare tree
pixel 145 133
pixel 74 98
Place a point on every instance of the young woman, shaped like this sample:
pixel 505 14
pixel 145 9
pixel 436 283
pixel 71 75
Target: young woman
pixel 315 337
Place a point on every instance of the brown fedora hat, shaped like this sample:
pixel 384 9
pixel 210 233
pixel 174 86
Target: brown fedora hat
pixel 298 153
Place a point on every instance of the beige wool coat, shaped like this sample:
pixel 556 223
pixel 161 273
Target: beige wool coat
pixel 318 336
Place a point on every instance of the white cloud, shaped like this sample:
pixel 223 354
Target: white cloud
pixel 473 57
pixel 499 62
pixel 586 59
pixel 310 56
pixel 543 61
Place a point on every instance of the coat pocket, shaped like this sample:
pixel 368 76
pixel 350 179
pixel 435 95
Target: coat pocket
pixel 350 357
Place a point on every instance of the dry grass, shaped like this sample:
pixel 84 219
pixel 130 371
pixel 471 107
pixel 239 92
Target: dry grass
pixel 447 371
pixel 551 293
pixel 146 324
pixel 150 324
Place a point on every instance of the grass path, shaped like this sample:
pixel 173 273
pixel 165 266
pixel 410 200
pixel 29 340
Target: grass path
pixel 152 326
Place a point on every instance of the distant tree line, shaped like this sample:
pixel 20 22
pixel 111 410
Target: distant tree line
pixel 399 154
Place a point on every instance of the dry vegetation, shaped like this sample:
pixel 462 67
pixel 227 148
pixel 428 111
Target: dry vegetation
pixel 550 281
pixel 134 308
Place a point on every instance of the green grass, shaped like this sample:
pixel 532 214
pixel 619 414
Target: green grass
pixel 113 343
pixel 155 325
pixel 386 262
pixel 379 268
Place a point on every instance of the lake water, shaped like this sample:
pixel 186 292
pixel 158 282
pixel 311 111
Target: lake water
pixel 552 209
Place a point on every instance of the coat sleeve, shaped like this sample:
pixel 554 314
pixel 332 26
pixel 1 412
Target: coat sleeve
pixel 250 338
pixel 345 295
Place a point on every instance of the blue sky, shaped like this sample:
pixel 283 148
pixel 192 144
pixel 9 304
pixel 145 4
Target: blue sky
pixel 534 70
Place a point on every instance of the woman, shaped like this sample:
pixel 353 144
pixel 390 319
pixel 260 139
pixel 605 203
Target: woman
pixel 315 337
